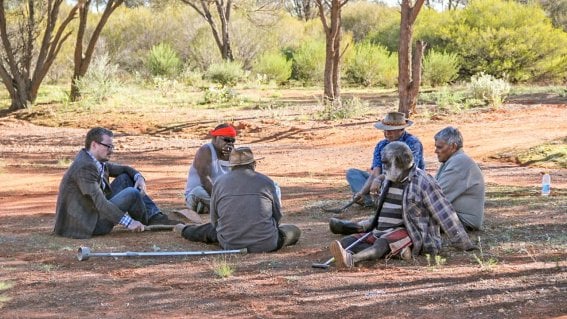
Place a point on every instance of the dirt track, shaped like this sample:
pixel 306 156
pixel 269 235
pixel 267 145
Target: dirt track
pixel 308 160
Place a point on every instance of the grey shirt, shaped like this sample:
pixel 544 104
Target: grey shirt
pixel 463 185
pixel 245 211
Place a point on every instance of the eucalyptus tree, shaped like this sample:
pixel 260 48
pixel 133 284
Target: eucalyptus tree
pixel 31 35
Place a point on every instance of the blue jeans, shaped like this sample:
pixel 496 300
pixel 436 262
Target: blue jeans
pixel 127 199
pixel 356 179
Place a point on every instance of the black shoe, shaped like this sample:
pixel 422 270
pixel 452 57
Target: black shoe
pixel 162 219
pixel 344 227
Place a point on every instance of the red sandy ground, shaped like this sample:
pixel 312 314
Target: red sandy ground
pixel 42 278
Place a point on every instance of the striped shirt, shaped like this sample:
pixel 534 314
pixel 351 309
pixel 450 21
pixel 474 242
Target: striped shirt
pixel 391 213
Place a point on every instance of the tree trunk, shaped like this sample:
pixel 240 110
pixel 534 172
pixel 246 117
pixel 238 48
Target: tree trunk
pixel 20 74
pixel 222 36
pixel 81 59
pixel 409 68
pixel 332 85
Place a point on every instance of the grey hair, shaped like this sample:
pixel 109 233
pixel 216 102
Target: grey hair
pixel 400 151
pixel 450 135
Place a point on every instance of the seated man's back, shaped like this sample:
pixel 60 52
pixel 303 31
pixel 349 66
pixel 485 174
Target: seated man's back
pixel 246 211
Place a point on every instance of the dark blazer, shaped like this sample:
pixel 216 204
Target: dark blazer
pixel 82 201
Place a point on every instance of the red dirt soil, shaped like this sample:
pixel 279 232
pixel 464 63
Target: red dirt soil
pixel 40 277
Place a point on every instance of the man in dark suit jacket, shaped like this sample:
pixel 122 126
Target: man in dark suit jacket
pixel 88 204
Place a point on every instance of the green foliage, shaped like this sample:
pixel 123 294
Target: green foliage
pixel 362 18
pixel 485 263
pixel 225 73
pixel 504 37
pixel 100 82
pixel 440 68
pixel 372 65
pixel 347 109
pixel 215 95
pixel 309 62
pixel 222 268
pixel 275 66
pixel 163 61
pixel 437 261
pixel 489 89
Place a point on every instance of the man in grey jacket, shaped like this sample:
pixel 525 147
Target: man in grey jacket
pixel 88 204
pixel 245 210
pixel 460 178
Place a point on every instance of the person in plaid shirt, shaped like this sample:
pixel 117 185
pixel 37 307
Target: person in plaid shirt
pixel 424 211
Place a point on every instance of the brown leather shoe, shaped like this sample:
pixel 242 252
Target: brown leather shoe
pixel 343 258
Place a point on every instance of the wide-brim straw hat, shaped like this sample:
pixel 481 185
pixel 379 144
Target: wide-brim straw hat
pixel 393 121
pixel 242 156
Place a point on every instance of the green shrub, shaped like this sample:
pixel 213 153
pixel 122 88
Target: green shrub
pixel 489 89
pixel 225 73
pixel 163 61
pixel 347 109
pixel 99 83
pixel 506 37
pixel 440 68
pixel 274 66
pixel 372 65
pixel 309 62
pixel 362 18
pixel 215 95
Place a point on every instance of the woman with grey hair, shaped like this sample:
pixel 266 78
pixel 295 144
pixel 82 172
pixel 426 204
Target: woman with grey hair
pixel 460 178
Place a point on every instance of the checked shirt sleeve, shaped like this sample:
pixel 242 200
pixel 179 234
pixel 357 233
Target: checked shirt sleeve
pixel 441 210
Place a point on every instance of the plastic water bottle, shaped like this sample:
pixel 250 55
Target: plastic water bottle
pixel 545 185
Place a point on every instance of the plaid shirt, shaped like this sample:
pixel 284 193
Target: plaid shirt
pixel 426 211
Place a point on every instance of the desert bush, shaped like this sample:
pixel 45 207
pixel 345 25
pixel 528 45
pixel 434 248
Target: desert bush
pixel 362 18
pixel 223 95
pixel 489 89
pixel 163 61
pixel 348 108
pixel 372 65
pixel 506 37
pixel 192 77
pixel 274 66
pixel 99 82
pixel 440 68
pixel 309 62
pixel 225 73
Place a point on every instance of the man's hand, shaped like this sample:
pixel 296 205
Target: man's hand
pixel 136 226
pixel 179 228
pixel 141 185
pixel 376 184
pixel 358 198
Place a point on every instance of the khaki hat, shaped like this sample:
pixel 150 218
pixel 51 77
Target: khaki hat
pixel 393 121
pixel 241 156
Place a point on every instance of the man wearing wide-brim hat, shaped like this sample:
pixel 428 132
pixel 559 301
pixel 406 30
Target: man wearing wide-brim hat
pixel 361 182
pixel 245 210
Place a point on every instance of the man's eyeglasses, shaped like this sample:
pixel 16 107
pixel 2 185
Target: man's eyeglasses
pixel 110 147
pixel 229 139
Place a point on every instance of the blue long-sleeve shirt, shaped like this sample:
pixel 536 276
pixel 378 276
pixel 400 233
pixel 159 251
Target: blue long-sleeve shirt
pixel 413 143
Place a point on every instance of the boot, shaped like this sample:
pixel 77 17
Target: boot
pixel 374 252
pixel 290 234
pixel 344 227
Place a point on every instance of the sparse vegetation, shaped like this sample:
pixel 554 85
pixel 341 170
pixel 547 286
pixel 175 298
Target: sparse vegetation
pixel 222 268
